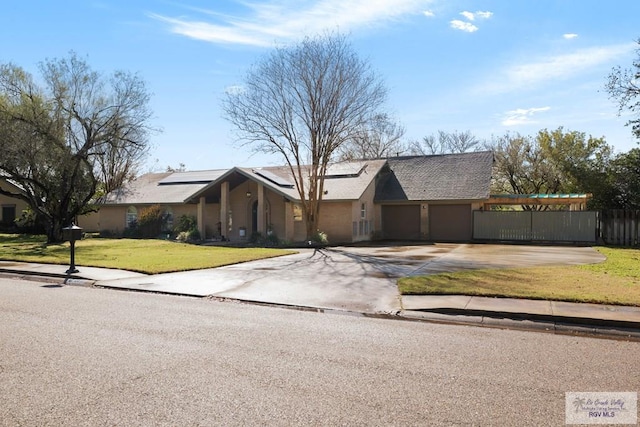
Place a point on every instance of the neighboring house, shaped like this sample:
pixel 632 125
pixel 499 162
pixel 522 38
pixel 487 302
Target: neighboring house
pixel 405 198
pixel 10 207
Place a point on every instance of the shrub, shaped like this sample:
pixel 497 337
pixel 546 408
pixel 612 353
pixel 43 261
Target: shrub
pixel 270 240
pixel 132 231
pixel 27 223
pixel 188 236
pixel 320 237
pixel 150 221
pixel 185 223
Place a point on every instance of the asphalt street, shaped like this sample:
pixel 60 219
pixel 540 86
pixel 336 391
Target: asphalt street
pixel 83 356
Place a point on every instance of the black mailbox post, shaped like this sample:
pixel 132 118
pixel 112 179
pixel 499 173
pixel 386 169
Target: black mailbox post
pixel 71 234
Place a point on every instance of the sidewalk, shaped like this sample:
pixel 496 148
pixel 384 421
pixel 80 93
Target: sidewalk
pixel 496 312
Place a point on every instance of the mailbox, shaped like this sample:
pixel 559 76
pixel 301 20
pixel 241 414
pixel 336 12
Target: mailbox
pixel 71 234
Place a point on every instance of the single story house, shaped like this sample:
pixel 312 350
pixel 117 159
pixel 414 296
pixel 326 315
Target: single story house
pixel 402 198
pixel 10 207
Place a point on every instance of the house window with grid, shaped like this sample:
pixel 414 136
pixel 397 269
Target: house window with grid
pixel 363 211
pixel 168 219
pixel 132 217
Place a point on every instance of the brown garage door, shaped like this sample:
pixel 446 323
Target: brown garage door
pixel 450 223
pixel 401 222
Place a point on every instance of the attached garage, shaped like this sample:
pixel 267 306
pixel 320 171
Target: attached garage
pixel 401 222
pixel 430 197
pixel 450 223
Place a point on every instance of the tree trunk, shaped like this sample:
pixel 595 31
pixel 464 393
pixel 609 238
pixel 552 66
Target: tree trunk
pixel 54 231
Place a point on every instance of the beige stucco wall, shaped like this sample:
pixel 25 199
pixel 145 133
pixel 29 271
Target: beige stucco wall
pixel 366 230
pixel 114 218
pixel 335 221
pixel 90 223
pixel 241 212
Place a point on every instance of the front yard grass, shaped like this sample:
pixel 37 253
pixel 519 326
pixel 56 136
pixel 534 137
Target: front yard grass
pixel 141 255
pixel 614 281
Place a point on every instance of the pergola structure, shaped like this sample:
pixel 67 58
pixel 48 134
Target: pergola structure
pixel 575 202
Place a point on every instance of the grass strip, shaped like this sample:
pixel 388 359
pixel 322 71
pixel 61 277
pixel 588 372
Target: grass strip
pixel 141 255
pixel 614 281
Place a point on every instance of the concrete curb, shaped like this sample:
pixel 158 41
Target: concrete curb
pixel 68 279
pixel 541 318
pixel 494 319
pixel 524 321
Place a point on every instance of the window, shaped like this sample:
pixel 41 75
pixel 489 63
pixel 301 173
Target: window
pixel 132 216
pixel 8 214
pixel 297 212
pixel 363 210
pixel 168 219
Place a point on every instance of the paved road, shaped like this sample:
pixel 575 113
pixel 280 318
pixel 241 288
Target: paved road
pixel 81 356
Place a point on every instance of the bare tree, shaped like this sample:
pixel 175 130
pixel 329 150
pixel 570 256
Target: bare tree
pixel 623 85
pixel 62 141
pixel 443 143
pixel 379 139
pixel 304 102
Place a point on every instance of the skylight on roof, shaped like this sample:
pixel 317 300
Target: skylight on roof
pixel 270 176
pixel 345 170
pixel 196 177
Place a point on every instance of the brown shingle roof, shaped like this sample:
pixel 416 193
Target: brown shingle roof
pixel 147 189
pixel 465 176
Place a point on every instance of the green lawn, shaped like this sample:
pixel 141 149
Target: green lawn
pixel 142 255
pixel 615 281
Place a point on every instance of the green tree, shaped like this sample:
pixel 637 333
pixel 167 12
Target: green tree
pixel 579 162
pixel 624 181
pixel 521 168
pixel 623 86
pixel 304 102
pixel 556 161
pixel 74 137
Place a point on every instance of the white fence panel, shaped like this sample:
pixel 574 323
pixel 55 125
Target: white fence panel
pixel 547 226
pixel 498 225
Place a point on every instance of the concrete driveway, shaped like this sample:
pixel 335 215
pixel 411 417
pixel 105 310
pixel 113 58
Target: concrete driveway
pixel 359 279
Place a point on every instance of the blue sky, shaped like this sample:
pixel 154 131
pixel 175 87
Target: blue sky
pixel 484 66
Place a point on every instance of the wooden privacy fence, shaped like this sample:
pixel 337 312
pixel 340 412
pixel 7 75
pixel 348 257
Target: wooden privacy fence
pixel 620 227
pixel 536 226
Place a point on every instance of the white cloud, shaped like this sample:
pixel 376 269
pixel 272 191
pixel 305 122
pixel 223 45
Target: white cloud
pixel 569 36
pixel 429 13
pixel 456 24
pixel 521 116
pixel 276 21
pixel 469 15
pixel 555 68
pixel 479 14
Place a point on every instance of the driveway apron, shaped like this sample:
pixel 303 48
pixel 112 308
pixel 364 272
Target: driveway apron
pixel 361 279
